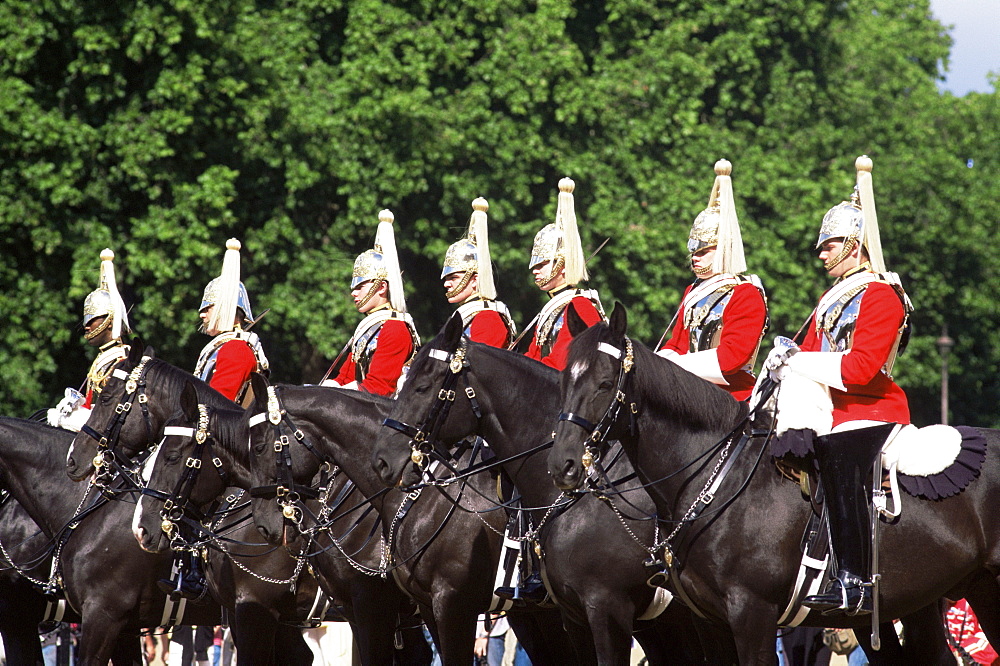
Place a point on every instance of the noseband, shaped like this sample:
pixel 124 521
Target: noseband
pixel 287 493
pixel 424 438
pixel 597 443
pixel 135 381
pixel 178 503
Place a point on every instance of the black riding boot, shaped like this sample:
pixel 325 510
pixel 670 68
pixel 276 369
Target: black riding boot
pixel 845 461
pixel 190 580
pixel 531 590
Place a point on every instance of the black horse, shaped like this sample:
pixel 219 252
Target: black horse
pixel 257 633
pixel 442 553
pixel 738 561
pixel 592 549
pixel 185 471
pixel 107 579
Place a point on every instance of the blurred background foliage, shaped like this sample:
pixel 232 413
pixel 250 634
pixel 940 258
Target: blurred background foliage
pixel 162 128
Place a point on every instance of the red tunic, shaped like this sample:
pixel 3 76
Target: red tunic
pixel 742 324
pixel 560 348
pixel 488 328
pixel 395 346
pixel 964 627
pixel 233 364
pixel 870 394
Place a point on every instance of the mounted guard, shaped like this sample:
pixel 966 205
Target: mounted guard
pixel 234 352
pixel 468 281
pixel 838 400
pixel 104 320
pixel 558 265
pixel 717 330
pixel 386 339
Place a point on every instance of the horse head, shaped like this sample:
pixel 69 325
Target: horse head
pixel 429 411
pixel 281 467
pixel 185 473
pixel 590 387
pixel 111 424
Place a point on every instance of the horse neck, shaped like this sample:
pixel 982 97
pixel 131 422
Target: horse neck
pixel 234 449
pixel 32 459
pixel 347 432
pixel 514 425
pixel 669 435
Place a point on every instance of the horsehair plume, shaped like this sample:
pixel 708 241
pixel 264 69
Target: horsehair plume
pixel 385 240
pixel 576 265
pixel 479 232
pixel 119 314
pixel 227 289
pixel 870 238
pixel 729 256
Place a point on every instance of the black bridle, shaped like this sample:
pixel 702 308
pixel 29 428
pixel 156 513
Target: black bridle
pixel 107 442
pixel 424 439
pixel 178 505
pixel 285 490
pixel 597 444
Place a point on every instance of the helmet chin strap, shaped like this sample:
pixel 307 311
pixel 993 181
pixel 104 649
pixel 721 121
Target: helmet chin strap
pixel 462 284
pixel 553 274
pixel 849 245
pixel 100 329
pixel 371 292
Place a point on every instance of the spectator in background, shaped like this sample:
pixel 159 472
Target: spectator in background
pixel 966 637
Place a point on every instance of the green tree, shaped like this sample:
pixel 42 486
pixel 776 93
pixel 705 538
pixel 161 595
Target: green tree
pixel 162 128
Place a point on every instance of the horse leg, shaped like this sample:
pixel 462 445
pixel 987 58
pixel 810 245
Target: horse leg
pixel 374 625
pixel 582 640
pixel 290 647
pixel 253 634
pixel 20 631
pixel 542 636
pixel 984 597
pixel 925 641
pixel 754 628
pixel 677 636
pixel 128 651
pixel 610 629
pixel 415 650
pixel 890 652
pixel 99 635
pixel 456 627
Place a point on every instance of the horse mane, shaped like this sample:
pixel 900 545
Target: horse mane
pixel 664 386
pixel 225 423
pixel 171 380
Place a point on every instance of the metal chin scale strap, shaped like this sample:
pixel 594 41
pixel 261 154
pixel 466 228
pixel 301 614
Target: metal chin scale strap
pixel 597 442
pixel 423 438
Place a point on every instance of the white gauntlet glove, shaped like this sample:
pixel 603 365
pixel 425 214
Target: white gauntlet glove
pixel 775 363
pixel 62 415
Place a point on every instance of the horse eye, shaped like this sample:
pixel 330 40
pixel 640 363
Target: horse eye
pixel 173 456
pixel 420 390
pixel 605 386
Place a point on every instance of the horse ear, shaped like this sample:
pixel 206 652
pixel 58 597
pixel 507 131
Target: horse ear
pixel 189 401
pixel 575 322
pixel 452 331
pixel 135 353
pixel 619 320
pixel 258 384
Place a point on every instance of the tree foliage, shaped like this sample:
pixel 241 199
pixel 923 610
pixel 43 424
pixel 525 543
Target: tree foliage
pixel 162 128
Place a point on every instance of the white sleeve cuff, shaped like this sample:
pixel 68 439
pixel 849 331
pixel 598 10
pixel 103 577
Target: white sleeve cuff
pixel 352 386
pixel 329 382
pixel 705 364
pixel 822 367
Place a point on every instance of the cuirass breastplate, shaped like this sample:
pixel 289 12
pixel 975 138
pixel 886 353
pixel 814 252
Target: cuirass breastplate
pixel 364 350
pixel 705 327
pixel 837 323
pixel 553 332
